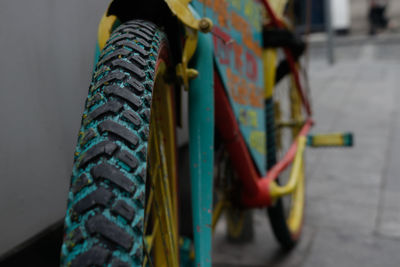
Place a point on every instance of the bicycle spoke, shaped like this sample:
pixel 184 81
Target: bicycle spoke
pixel 159 202
pixel 166 196
pixel 148 208
pixel 148 243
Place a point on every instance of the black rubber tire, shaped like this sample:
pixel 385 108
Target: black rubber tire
pixel 276 212
pixel 279 226
pixel 104 220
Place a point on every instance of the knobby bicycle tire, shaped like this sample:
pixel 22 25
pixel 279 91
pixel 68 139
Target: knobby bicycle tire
pixel 104 223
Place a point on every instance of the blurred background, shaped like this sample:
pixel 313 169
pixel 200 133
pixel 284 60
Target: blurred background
pixel 353 211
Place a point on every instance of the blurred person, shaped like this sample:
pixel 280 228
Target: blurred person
pixel 376 16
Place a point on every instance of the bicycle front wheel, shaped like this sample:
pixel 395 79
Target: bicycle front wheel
pixel 122 208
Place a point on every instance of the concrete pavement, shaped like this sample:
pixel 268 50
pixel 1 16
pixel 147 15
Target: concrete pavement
pixel 353 195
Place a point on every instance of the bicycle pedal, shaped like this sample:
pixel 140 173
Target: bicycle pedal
pixel 331 140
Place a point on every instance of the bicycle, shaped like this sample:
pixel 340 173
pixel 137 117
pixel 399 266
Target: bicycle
pixel 123 200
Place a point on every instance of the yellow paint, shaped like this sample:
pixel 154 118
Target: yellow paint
pixel 217 211
pixel 235 225
pixel 276 190
pixel 237 4
pixel 295 107
pixel 335 139
pixel 150 240
pixel 295 187
pixel 104 30
pixel 189 48
pixel 295 218
pixel 270 64
pixel 248 118
pixel 252 12
pixel 291 123
pixel 257 141
pixel 180 8
pixel 278 6
pixel 161 207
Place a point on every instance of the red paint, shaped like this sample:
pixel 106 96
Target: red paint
pixel 238 49
pixel 255 191
pixel 229 130
pixel 221 35
pixel 274 19
pixel 251 67
pixel 299 87
pixel 222 47
pixel 289 156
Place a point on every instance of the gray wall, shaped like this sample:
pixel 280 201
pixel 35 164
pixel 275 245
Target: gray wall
pixel 46 53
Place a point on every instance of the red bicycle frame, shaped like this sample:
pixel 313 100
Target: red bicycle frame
pixel 256 191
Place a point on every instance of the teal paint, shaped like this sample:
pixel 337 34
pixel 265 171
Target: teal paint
pixel 310 140
pixel 184 253
pixel 241 68
pixel 348 140
pixel 69 255
pixel 201 145
pixel 97 53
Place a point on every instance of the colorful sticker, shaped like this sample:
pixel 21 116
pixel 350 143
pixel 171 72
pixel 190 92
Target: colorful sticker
pixel 237 36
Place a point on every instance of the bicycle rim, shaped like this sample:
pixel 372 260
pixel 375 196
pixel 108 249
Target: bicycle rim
pixel 160 224
pixel 286 215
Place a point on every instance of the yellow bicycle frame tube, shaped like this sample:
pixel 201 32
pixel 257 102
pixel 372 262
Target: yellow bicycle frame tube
pixel 276 190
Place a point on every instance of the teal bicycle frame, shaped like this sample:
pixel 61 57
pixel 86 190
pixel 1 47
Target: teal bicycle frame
pixel 228 57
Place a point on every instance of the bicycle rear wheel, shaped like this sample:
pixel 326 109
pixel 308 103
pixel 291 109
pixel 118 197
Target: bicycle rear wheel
pixel 122 201
pixel 284 120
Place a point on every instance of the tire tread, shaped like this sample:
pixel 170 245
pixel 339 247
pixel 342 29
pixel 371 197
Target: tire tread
pixel 104 221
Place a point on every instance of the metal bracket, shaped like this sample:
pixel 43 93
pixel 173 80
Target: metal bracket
pixel 189 48
pixel 180 8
